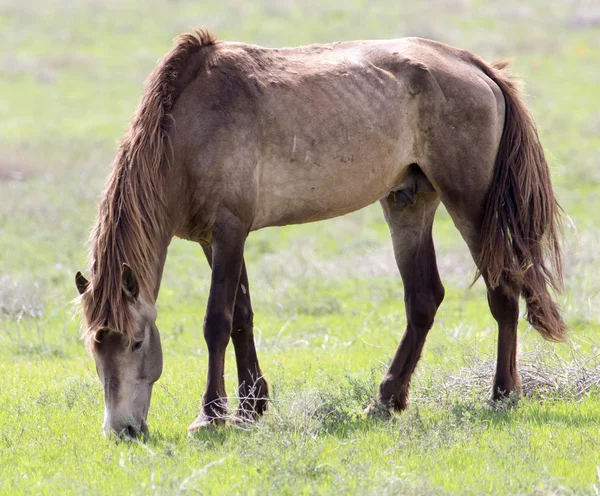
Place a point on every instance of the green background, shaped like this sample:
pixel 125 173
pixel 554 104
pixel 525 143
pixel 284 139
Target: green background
pixel 327 296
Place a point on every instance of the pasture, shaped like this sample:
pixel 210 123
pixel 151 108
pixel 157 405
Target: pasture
pixel 327 297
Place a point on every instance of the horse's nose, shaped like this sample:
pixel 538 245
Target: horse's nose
pixel 126 429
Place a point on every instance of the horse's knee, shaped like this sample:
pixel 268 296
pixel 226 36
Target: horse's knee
pixel 217 330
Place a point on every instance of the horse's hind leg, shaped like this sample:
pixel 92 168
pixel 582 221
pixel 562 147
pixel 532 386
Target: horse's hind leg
pixel 465 204
pixel 504 305
pixel 410 227
pixel 460 162
pixel 253 390
pixel 503 300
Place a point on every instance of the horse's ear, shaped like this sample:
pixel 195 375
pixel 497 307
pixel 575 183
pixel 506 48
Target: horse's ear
pixel 130 284
pixel 81 282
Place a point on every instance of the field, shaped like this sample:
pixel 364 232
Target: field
pixel 327 297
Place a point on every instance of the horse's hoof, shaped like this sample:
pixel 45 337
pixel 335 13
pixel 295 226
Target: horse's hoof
pixel 204 423
pixel 377 411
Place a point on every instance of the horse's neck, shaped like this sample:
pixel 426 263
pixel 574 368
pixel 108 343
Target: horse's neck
pixel 163 241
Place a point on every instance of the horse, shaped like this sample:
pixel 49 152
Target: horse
pixel 229 138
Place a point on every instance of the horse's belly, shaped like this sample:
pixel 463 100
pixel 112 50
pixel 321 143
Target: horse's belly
pixel 325 183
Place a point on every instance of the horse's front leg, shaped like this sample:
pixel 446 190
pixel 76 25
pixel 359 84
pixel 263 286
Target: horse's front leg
pixel 253 390
pixel 227 256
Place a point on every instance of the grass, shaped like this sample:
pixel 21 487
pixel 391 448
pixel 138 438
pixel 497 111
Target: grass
pixel 327 296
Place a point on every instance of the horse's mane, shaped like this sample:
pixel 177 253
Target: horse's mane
pixel 132 214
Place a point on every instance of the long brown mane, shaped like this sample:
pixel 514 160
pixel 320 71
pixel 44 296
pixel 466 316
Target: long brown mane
pixel 131 214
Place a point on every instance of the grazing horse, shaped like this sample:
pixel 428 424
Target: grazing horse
pixel 229 138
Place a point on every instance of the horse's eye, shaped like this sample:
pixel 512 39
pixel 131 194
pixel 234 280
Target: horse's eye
pixel 136 345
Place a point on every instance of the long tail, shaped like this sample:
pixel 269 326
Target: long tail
pixel 522 227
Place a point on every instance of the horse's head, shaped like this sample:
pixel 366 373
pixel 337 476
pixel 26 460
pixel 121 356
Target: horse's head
pixel 128 361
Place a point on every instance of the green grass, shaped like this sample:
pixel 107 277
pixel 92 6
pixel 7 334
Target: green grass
pixel 327 297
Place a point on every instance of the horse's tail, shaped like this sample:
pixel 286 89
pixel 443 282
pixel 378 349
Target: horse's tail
pixel 522 229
